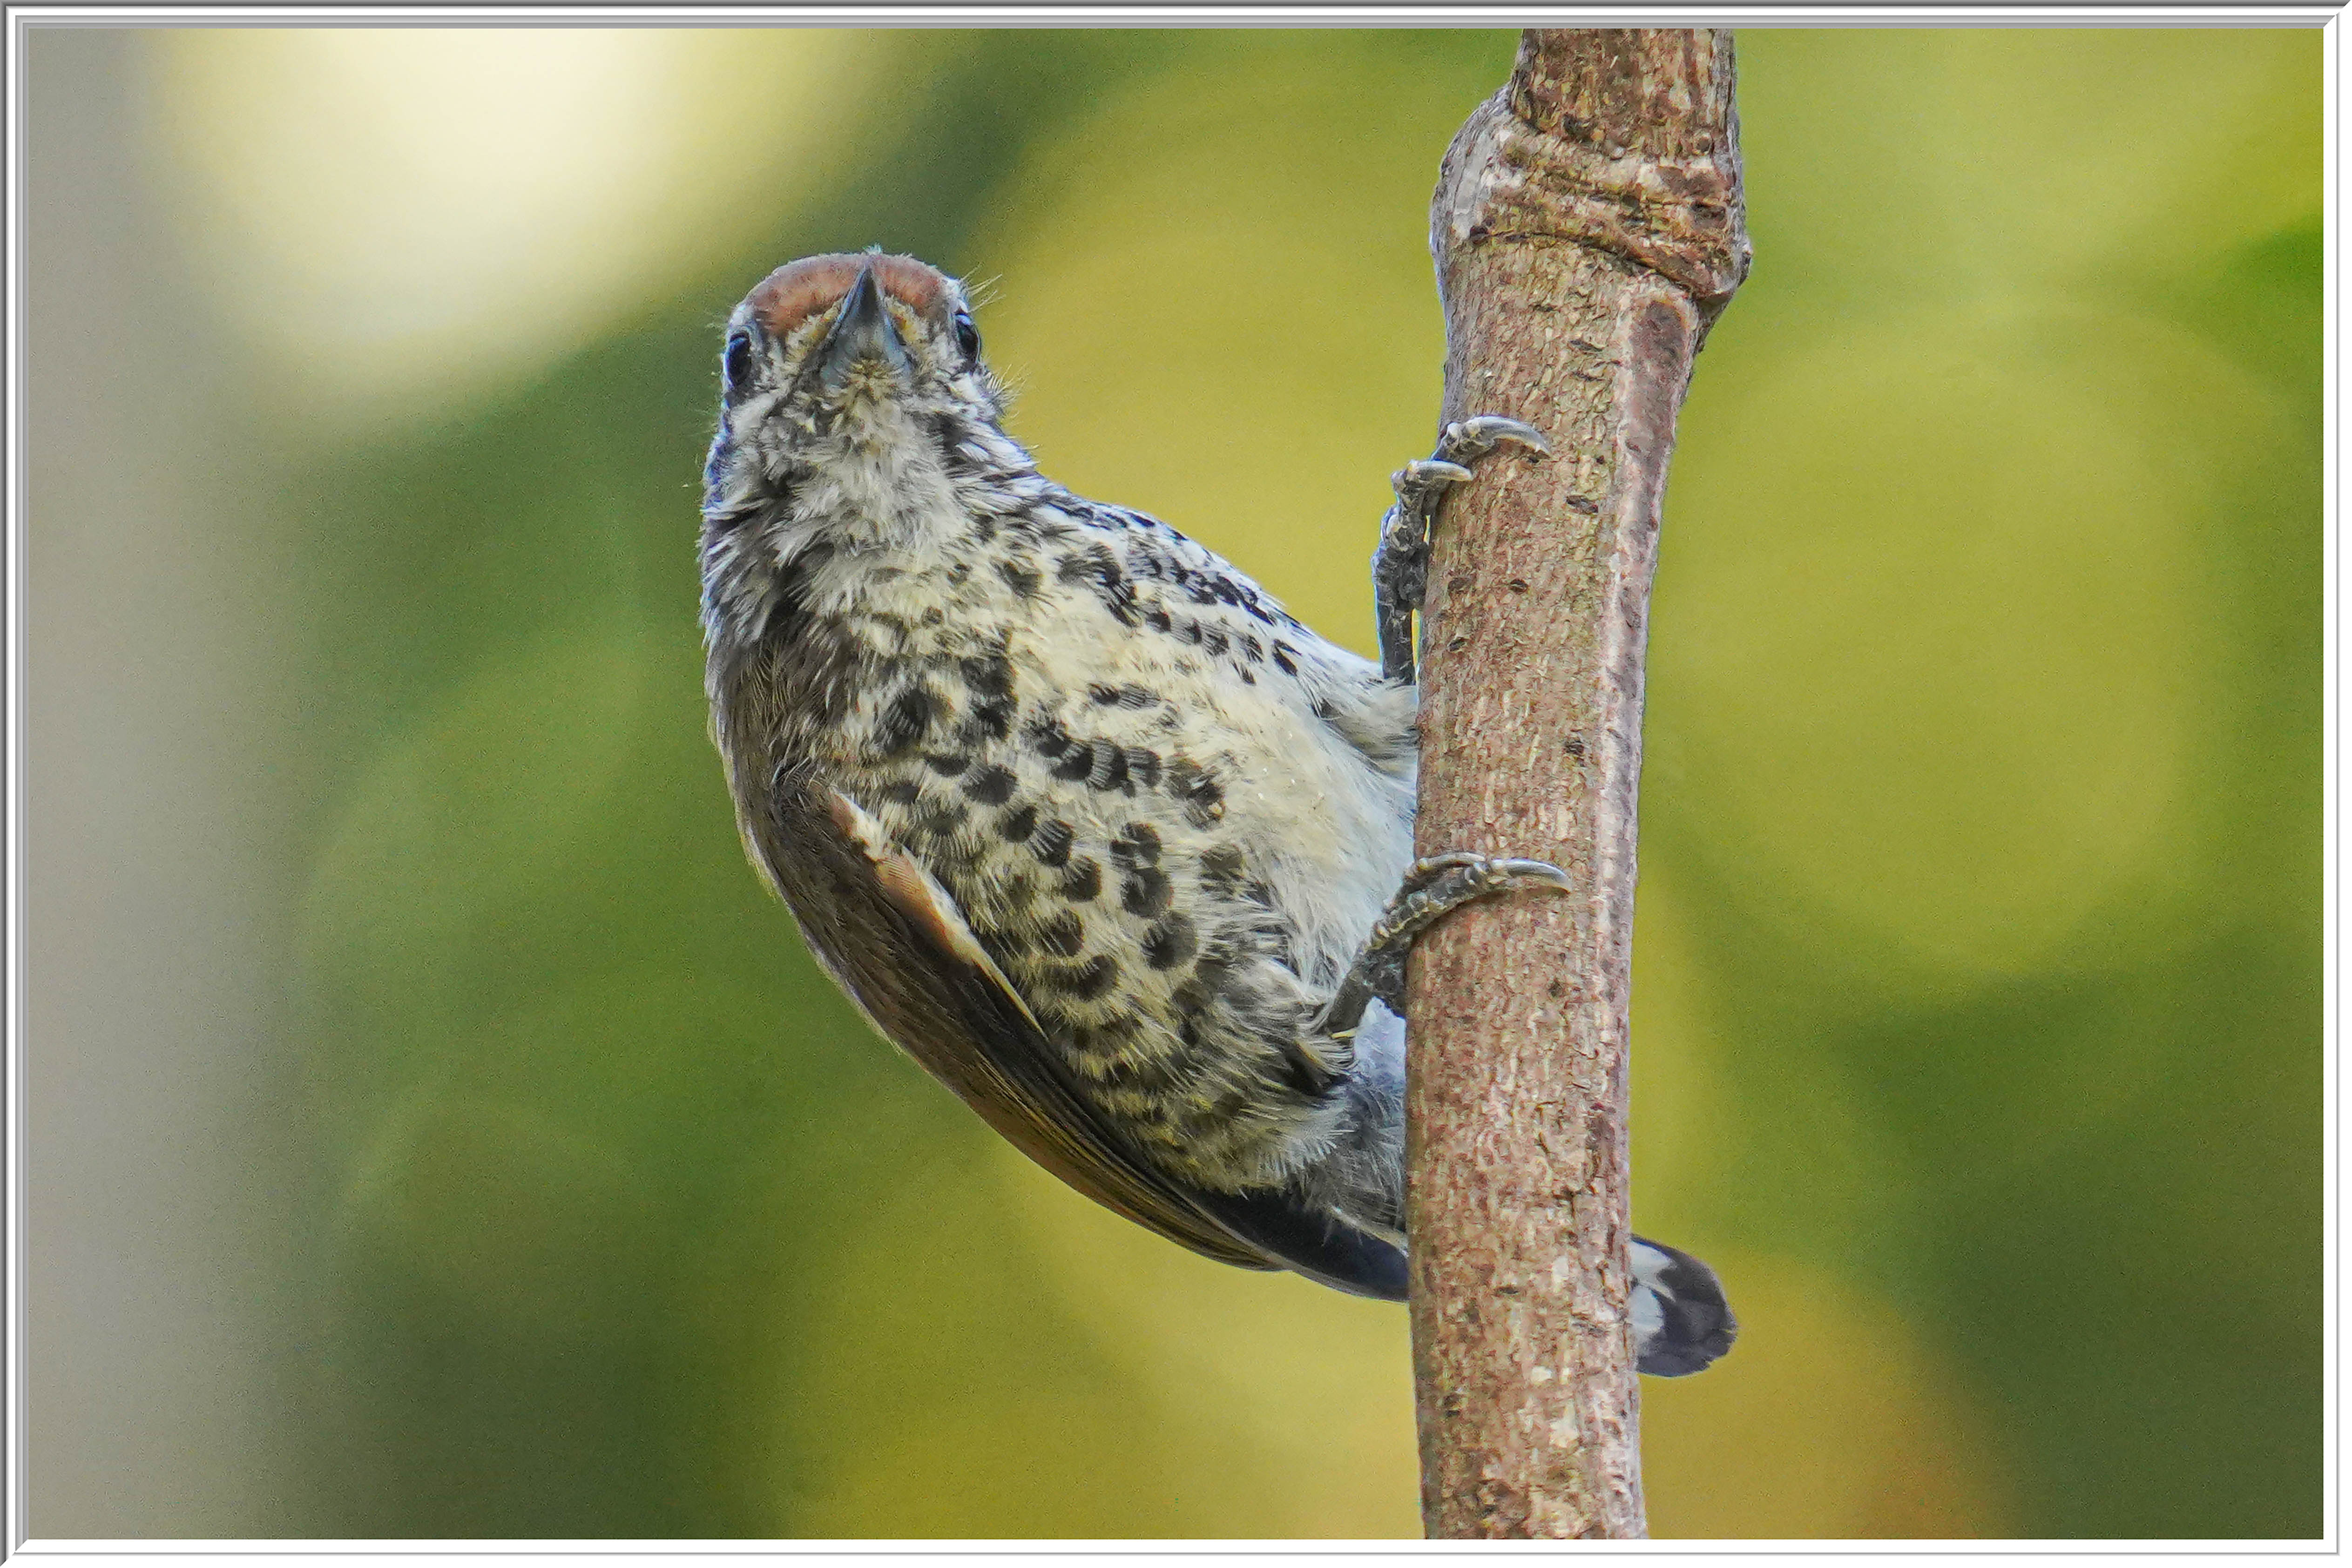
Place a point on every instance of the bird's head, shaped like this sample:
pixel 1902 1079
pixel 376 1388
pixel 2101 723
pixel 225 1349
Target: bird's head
pixel 835 357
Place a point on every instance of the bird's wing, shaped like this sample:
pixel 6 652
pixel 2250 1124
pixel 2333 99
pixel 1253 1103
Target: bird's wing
pixel 1314 1242
pixel 897 943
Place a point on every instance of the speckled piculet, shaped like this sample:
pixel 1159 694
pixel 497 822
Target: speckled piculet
pixel 1070 806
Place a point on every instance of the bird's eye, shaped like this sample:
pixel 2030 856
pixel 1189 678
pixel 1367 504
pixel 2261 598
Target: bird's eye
pixel 739 364
pixel 967 335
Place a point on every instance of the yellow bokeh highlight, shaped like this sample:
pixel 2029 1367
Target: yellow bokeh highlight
pixel 403 215
pixel 1934 615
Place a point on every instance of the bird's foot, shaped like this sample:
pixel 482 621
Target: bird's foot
pixel 1400 562
pixel 1432 889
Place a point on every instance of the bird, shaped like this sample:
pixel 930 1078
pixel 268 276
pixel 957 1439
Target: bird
pixel 1076 813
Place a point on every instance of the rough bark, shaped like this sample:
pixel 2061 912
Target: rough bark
pixel 1588 226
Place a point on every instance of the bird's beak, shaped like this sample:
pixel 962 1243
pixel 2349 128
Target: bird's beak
pixel 863 332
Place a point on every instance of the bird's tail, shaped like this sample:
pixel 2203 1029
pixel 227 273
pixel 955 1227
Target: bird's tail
pixel 1681 1321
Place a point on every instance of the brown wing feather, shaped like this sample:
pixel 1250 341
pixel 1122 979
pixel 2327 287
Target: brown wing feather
pixel 897 943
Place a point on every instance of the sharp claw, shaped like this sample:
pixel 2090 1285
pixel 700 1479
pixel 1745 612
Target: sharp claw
pixel 1428 867
pixel 1486 429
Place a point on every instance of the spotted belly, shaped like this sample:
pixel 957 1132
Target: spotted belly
pixel 1089 850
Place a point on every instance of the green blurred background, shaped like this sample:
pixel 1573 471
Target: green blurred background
pixel 435 1131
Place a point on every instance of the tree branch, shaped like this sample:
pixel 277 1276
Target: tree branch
pixel 1588 226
